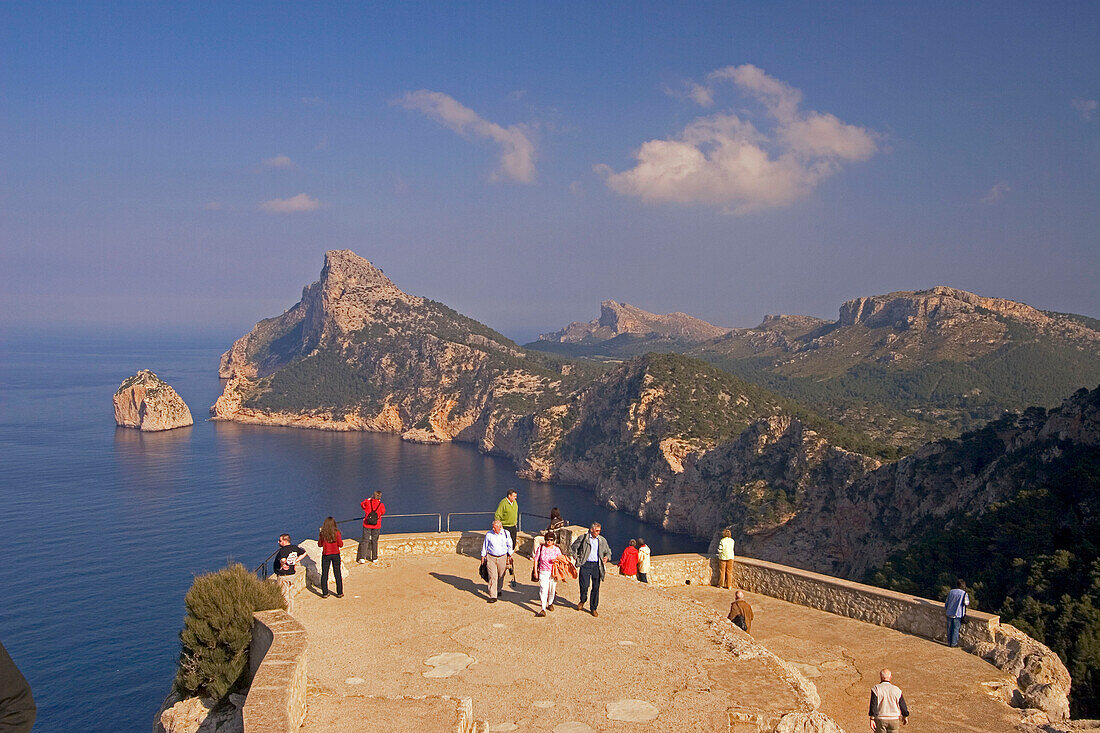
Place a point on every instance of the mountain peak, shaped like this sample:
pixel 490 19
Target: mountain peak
pixel 617 318
pixel 908 308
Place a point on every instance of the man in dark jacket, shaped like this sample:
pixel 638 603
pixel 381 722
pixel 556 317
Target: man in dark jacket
pixel 17 709
pixel 591 552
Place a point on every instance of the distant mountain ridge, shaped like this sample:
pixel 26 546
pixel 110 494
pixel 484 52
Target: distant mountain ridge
pixel 617 319
pixel 906 367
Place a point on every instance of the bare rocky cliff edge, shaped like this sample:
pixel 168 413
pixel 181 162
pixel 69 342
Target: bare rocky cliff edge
pixel 668 438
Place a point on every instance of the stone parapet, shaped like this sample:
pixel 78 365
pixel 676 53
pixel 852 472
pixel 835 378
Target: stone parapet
pixel 277 659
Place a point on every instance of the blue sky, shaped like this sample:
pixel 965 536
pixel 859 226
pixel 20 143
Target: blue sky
pixel 186 166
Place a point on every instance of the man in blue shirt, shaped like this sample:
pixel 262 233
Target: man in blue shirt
pixel 957 602
pixel 496 553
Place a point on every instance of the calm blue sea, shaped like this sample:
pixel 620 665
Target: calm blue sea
pixel 102 528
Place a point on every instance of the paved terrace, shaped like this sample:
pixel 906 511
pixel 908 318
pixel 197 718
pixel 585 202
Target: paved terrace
pixel 416 626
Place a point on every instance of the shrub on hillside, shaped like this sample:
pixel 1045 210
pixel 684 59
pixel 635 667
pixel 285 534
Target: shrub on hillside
pixel 218 629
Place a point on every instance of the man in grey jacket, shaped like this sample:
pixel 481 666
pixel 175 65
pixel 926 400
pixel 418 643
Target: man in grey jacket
pixel 591 552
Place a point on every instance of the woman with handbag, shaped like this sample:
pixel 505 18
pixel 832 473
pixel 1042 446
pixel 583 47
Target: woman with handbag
pixel 545 555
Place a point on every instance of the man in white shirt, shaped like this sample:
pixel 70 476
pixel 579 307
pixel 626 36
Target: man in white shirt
pixel 496 553
pixel 888 710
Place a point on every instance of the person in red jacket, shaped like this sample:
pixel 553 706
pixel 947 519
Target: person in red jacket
pixel 373 510
pixel 628 563
pixel 330 542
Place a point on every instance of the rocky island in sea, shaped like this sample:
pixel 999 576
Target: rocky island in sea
pixel 147 402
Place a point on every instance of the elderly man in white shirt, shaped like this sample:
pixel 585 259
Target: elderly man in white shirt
pixel 496 553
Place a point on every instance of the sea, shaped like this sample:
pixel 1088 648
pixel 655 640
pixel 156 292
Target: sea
pixel 102 528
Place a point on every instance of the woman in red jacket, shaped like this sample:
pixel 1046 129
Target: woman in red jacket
pixel 628 563
pixel 330 542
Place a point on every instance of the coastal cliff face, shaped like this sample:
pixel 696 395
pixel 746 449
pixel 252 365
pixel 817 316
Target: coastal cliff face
pixel 357 353
pixel 146 402
pixel 669 438
pixel 846 528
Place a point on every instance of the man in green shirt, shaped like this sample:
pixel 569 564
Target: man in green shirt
pixel 507 514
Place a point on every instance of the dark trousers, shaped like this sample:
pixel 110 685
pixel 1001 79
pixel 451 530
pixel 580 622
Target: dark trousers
pixel 953 627
pixel 331 561
pixel 513 531
pixel 590 573
pixel 368 547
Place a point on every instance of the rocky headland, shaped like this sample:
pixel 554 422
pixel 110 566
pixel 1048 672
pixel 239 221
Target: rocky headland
pixel 146 402
pixel 669 438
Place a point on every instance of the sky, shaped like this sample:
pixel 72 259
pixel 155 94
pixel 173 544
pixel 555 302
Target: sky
pixel 185 166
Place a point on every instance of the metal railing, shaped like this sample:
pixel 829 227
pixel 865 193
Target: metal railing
pixel 519 525
pixel 437 515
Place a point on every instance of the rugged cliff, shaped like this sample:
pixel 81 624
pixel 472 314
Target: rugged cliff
pixel 146 402
pixel 667 437
pixel 618 319
pixel 357 353
pixel 846 528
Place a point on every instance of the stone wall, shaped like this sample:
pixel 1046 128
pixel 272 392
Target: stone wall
pixel 276 701
pixel 1043 682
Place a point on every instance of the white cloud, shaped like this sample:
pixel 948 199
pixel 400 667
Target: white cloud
pixel 999 191
pixel 517 151
pixel 576 188
pixel 1086 107
pixel 725 161
pixel 294 205
pixel 278 161
pixel 213 206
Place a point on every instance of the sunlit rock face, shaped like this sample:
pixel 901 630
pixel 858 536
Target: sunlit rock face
pixel 146 402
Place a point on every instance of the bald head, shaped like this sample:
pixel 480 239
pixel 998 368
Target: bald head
pixel 739 595
pixel 885 675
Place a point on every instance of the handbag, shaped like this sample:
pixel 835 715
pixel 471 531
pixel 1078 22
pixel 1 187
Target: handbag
pixel 483 571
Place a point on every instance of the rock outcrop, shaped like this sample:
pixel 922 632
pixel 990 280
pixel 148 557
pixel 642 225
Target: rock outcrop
pixel 617 319
pixel 146 402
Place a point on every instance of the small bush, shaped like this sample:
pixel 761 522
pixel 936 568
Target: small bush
pixel 217 630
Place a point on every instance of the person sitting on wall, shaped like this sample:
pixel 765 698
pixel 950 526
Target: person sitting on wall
pixel 741 612
pixel 286 559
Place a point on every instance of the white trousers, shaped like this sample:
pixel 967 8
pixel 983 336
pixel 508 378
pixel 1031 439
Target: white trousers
pixel 548 589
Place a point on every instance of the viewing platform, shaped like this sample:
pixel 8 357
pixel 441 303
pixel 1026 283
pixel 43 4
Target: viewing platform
pixel 413 645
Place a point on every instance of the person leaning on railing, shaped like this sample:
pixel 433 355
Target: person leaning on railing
pixel 373 510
